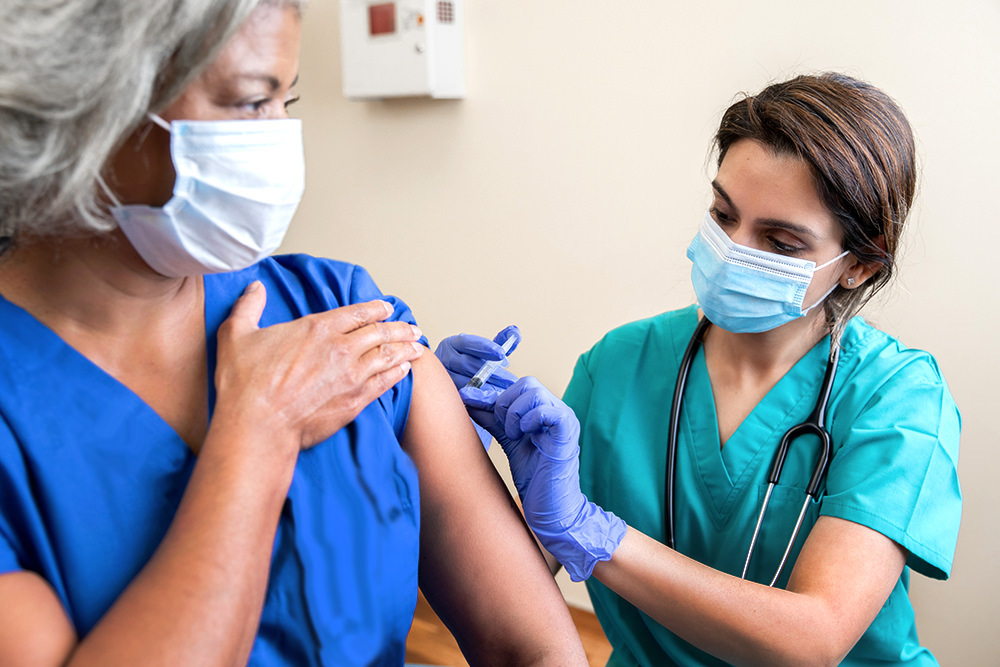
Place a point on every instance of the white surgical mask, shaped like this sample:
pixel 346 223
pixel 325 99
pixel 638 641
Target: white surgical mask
pixel 237 187
pixel 745 290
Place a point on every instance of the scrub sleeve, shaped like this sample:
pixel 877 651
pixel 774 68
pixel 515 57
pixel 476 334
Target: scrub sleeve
pixel 895 431
pixel 91 476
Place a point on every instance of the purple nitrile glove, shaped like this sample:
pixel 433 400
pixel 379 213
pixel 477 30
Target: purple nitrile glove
pixel 540 436
pixel 464 354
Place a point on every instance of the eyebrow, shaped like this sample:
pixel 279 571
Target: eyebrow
pixel 269 79
pixel 770 222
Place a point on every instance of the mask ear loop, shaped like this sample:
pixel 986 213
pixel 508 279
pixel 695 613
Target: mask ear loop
pixel 100 179
pixel 107 191
pixel 159 121
pixel 829 291
pixel 826 264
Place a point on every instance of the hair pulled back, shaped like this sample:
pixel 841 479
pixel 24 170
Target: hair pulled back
pixel 860 150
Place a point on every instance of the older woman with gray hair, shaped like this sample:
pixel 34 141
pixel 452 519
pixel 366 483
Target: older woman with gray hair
pixel 209 455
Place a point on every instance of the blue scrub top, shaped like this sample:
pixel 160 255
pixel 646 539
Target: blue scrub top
pixel 895 432
pixel 91 476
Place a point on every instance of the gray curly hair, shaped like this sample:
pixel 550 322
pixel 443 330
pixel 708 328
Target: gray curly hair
pixel 77 77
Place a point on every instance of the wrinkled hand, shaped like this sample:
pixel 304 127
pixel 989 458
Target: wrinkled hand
pixel 308 378
pixel 540 436
pixel 464 354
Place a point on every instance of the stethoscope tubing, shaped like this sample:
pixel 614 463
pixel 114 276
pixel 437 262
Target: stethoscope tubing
pixel 814 424
pixel 675 411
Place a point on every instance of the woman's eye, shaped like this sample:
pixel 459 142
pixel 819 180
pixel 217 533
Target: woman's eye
pixel 783 248
pixel 720 217
pixel 292 100
pixel 255 106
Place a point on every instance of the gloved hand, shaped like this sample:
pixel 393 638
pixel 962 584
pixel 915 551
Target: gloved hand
pixel 464 354
pixel 540 436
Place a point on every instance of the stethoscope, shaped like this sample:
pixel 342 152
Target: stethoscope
pixel 812 425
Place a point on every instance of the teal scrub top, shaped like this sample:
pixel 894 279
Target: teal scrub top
pixel 895 431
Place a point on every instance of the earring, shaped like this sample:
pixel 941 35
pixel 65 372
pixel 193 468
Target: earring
pixel 850 282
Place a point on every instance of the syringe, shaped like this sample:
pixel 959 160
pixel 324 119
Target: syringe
pixel 490 367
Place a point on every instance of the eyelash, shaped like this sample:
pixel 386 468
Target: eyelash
pixel 782 248
pixel 719 216
pixel 776 245
pixel 257 106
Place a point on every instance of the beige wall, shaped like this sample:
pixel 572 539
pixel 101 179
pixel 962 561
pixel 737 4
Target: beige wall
pixel 562 192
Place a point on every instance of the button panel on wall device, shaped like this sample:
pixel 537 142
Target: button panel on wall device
pixel 401 49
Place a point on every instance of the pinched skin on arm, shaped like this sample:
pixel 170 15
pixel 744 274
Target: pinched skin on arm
pixel 480 568
pixel 198 600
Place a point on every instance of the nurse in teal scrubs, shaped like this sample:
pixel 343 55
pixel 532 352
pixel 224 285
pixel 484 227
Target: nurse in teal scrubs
pixel 815 178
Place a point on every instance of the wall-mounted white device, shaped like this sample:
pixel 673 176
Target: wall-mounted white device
pixel 402 48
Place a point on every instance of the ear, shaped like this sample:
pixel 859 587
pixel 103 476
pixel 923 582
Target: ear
pixel 142 171
pixel 857 272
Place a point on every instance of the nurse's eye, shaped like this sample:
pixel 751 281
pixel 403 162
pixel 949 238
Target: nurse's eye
pixel 782 247
pixel 720 216
pixel 292 100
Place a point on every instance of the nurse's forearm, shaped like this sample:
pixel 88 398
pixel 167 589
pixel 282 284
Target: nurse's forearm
pixel 832 598
pixel 199 599
pixel 716 612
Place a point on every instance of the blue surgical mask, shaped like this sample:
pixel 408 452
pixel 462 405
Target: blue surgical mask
pixel 745 290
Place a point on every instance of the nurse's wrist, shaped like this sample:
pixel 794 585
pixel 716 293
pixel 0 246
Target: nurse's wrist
pixel 593 538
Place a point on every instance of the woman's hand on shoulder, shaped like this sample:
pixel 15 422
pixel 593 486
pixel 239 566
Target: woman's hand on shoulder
pixel 306 379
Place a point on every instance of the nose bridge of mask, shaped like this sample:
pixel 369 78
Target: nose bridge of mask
pixel 258 159
pixel 211 136
pixel 762 260
pixel 731 252
pixel 743 279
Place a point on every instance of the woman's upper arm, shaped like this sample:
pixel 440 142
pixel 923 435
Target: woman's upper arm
pixel 34 628
pixel 479 564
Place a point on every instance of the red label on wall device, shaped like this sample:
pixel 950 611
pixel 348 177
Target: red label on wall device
pixel 382 18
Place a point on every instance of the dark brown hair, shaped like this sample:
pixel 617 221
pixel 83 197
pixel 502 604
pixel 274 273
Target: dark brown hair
pixel 860 149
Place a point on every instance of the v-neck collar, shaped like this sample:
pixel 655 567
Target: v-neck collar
pixel 727 473
pixel 37 349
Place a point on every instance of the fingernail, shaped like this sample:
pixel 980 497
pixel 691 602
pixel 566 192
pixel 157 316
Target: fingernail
pixel 389 310
pixel 418 347
pixel 405 366
pixel 416 331
pixel 252 287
